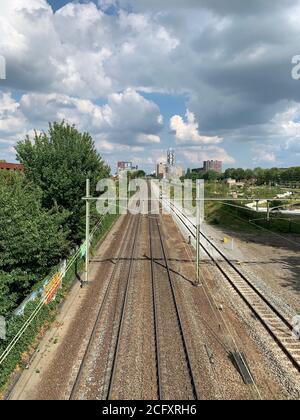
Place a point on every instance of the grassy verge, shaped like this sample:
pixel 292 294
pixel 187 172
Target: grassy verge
pixel 241 220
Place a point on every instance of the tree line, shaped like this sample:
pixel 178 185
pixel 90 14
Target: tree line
pixel 258 175
pixel 42 213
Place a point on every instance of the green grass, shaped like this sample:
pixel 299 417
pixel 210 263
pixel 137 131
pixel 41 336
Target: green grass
pixel 220 215
pixel 238 220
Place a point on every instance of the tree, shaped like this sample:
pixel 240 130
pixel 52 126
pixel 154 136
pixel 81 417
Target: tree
pixel 59 162
pixel 249 174
pixel 31 239
pixel 211 176
pixel 136 174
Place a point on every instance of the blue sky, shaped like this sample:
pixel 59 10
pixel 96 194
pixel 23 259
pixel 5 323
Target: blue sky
pixel 143 76
pixel 57 4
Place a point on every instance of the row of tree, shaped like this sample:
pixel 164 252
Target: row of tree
pixel 42 211
pixel 259 175
pixel 265 176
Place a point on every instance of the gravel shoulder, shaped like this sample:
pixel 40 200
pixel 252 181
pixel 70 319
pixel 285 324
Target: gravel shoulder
pixel 215 321
pixel 274 261
pixel 219 323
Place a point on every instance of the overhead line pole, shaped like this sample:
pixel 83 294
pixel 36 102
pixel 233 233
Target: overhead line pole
pixel 198 215
pixel 87 231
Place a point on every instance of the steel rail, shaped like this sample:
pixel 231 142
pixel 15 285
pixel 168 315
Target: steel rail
pixel 154 302
pixel 123 311
pixel 282 318
pixel 178 315
pixel 100 311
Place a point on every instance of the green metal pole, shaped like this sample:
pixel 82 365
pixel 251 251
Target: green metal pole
pixel 198 231
pixel 87 235
pixel 268 210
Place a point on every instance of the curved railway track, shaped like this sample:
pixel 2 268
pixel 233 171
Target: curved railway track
pixel 275 322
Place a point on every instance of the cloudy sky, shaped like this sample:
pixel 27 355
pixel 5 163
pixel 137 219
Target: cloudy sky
pixel 211 78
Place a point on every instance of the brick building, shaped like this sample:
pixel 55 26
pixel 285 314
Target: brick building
pixel 12 167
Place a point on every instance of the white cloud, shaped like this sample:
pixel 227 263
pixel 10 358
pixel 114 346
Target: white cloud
pixel 188 131
pixel 235 80
pixel 195 155
pixel 11 118
pixel 288 122
pixel 148 138
pixel 106 4
pixel 264 154
pixel 127 118
pixel 80 50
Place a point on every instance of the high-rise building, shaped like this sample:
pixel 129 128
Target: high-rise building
pixel 171 157
pixel 168 170
pixel 213 165
pixel 161 170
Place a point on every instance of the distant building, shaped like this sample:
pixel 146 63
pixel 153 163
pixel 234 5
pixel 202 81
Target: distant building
pixel 171 157
pixel 161 170
pixel 12 167
pixel 168 170
pixel 126 167
pixel 233 183
pixel 174 172
pixel 198 170
pixel 213 165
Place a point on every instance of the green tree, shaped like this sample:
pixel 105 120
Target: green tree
pixel 136 174
pixel 211 176
pixel 59 163
pixel 31 239
pixel 249 174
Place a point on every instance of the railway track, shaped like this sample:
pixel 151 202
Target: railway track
pixel 120 300
pixel 116 339
pixel 175 378
pixel 278 326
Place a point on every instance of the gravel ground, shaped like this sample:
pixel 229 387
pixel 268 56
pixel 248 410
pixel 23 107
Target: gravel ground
pixel 136 372
pixel 175 379
pixel 272 261
pixel 215 322
pixel 93 383
pixel 215 329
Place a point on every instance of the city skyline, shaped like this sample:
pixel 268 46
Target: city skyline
pixel 142 78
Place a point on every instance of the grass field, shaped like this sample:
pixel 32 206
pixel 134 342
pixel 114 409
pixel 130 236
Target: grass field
pixel 242 220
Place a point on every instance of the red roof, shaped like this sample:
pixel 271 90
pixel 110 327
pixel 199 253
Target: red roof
pixel 11 166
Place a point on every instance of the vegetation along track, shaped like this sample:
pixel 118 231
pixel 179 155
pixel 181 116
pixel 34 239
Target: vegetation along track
pixel 133 224
pixel 175 378
pixel 278 326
